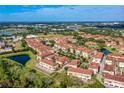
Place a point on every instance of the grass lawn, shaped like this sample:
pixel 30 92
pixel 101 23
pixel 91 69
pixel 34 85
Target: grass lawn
pixel 17 45
pixel 50 35
pixel 94 83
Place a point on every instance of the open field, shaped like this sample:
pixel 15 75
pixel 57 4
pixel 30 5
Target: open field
pixel 17 45
pixel 50 35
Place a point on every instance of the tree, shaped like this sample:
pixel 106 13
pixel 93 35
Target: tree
pixel 52 43
pixel 32 50
pixel 24 44
pixel 62 80
pixel 13 74
pixel 76 33
pixel 84 65
pixel 102 45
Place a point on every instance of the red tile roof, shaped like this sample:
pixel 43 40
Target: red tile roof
pixel 44 54
pixel 80 70
pixel 49 62
pixel 36 44
pixel 74 62
pixel 62 59
pixel 118 58
pixel 98 55
pixel 94 65
pixel 52 56
pixel 109 68
pixel 72 46
pixel 119 78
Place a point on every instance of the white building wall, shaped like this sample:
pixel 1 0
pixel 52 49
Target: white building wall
pixel 113 83
pixel 84 77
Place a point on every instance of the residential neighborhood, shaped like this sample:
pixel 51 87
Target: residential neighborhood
pixel 109 67
pixel 68 52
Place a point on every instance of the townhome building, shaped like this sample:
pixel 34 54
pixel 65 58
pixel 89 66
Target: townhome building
pixel 116 81
pixel 74 63
pixel 52 56
pixel 2 44
pixel 115 59
pixel 109 69
pixel 97 57
pixel 94 66
pixel 62 60
pixel 47 65
pixel 83 74
pixel 44 54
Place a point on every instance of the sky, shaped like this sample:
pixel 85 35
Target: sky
pixel 68 13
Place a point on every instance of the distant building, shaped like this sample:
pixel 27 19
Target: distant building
pixel 2 44
pixel 73 27
pixel 31 36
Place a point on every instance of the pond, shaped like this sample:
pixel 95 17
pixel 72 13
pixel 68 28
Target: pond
pixel 104 51
pixel 5 33
pixel 23 59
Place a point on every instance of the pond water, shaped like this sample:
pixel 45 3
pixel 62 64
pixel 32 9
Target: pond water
pixel 23 59
pixel 104 51
pixel 5 33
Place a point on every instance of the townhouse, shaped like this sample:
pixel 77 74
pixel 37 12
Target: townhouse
pixel 43 51
pixel 62 60
pixel 37 45
pixel 77 50
pixel 83 74
pixel 111 43
pixel 44 54
pixel 97 57
pixel 109 60
pixel 83 51
pixel 109 69
pixel 74 63
pixel 115 59
pixel 2 45
pixel 95 67
pixel 47 65
pixel 49 61
pixel 116 81
pixel 52 56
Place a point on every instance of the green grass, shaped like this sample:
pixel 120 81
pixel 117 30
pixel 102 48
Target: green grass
pixel 17 45
pixel 94 83
pixel 50 35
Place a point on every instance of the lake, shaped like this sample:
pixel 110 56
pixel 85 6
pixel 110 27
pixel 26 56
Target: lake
pixel 23 59
pixel 104 51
